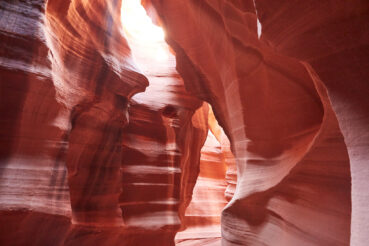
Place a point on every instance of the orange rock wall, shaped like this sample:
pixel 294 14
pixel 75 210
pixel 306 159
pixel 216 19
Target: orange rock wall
pixel 88 157
pixel 293 182
pixel 32 144
pixel 202 216
pixel 161 148
pixel 337 38
pixel 67 143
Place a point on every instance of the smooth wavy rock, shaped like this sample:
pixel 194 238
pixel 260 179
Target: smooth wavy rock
pixel 88 157
pixel 94 77
pixel 332 40
pixel 32 146
pixel 66 76
pixel 227 156
pixel 202 216
pixel 293 182
pixel 161 147
pixel 214 188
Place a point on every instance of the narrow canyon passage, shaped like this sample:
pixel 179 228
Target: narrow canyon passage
pixel 163 139
pixel 184 122
pixel 160 170
pixel 214 188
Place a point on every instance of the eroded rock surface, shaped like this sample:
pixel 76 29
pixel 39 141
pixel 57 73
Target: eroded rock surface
pixel 161 146
pixel 33 146
pixel 71 173
pixel 334 47
pixel 293 185
pixel 88 158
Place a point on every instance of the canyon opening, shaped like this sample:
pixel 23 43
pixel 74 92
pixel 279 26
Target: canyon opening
pixel 210 181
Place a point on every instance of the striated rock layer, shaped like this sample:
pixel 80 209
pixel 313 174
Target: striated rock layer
pixel 32 147
pixel 226 156
pixel 213 189
pixel 88 158
pixel 337 38
pixel 64 91
pixel 162 142
pixel 70 173
pixel 293 182
pixel 94 77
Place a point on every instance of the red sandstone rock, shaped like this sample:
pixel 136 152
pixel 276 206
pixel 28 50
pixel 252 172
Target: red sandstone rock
pixel 334 47
pixel 202 216
pixel 161 146
pixel 32 144
pixel 226 156
pixel 287 82
pixel 69 174
pixel 293 185
pixel 59 115
pixel 94 76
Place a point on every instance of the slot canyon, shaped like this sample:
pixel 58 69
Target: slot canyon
pixel 184 122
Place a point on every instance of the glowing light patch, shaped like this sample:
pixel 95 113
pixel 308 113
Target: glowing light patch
pixel 138 24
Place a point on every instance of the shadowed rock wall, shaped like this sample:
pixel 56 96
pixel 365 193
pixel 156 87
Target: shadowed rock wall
pixel 81 162
pixel 86 159
pixel 293 182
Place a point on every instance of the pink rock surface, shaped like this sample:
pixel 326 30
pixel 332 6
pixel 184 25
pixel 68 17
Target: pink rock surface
pixel 337 38
pixel 161 146
pixel 94 77
pixel 32 146
pixel 202 216
pixel 72 175
pixel 89 157
pixel 293 185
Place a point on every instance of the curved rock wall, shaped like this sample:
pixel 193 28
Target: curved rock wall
pixel 32 146
pixel 226 156
pixel 161 147
pixel 337 38
pixel 64 91
pixel 293 185
pixel 202 216
pixel 67 173
pixel 34 192
pixel 85 159
pixel 94 76
pixel 214 188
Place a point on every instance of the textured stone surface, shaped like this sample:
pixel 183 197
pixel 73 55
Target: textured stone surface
pixel 94 76
pixel 88 157
pixel 202 216
pixel 226 156
pixel 293 185
pixel 161 144
pixel 337 38
pixel 74 169
pixel 32 146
